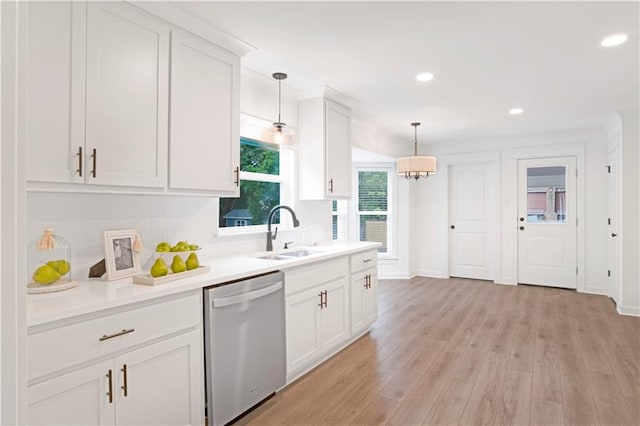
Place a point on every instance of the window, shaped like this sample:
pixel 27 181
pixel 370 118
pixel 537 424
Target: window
pixel 373 206
pixel 546 194
pixel 339 223
pixel 262 185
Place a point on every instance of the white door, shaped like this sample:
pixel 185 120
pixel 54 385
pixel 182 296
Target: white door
pixel 473 218
pixel 547 222
pixel 205 113
pixel 334 323
pixel 161 384
pixel 84 396
pixel 303 328
pixel 127 96
pixel 613 210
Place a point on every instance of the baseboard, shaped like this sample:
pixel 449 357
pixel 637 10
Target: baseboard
pixel 628 310
pixel 394 276
pixel 432 274
pixel 596 290
pixel 500 282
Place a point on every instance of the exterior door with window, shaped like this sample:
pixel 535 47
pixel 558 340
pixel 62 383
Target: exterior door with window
pixel 473 220
pixel 547 223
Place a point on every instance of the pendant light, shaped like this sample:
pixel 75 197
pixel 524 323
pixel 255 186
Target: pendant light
pixel 279 125
pixel 416 166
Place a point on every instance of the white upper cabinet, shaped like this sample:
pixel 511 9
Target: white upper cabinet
pixel 325 150
pixel 127 96
pixel 94 101
pixel 53 47
pixel 204 152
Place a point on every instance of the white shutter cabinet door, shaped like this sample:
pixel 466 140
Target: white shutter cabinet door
pixel 303 328
pixel 80 397
pixel 164 383
pixel 52 79
pixel 338 150
pixel 334 316
pixel 370 299
pixel 358 282
pixel 205 113
pixel 127 96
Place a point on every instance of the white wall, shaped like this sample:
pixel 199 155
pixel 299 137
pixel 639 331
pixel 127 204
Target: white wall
pixel 630 207
pixel 12 222
pixel 430 204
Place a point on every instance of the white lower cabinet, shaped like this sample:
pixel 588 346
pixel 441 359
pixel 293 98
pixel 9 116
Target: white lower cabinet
pixel 364 306
pixel 160 382
pixel 317 317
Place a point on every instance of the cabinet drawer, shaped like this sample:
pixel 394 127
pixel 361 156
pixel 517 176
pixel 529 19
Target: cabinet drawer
pixel 310 276
pixel 71 344
pixel 366 259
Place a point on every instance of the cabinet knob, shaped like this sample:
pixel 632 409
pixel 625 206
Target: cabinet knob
pixel 522 228
pixel 453 227
pixel 614 235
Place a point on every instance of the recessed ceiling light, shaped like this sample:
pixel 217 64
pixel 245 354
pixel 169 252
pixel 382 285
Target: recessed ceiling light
pixel 424 76
pixel 613 40
pixel 516 111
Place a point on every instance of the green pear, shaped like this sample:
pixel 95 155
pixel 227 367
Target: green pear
pixel 178 264
pixel 62 266
pixel 193 247
pixel 163 247
pixel 159 268
pixel 46 274
pixel 192 261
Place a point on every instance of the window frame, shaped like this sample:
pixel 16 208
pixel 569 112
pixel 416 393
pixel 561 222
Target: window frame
pixel 354 212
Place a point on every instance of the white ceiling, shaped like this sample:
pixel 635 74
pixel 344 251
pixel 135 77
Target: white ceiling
pixel 486 57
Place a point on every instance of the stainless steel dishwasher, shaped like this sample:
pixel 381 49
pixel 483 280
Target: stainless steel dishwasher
pixel 244 344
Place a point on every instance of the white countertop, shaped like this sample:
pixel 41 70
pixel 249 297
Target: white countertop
pixel 94 294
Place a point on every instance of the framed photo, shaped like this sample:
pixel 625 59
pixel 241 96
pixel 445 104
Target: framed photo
pixel 120 259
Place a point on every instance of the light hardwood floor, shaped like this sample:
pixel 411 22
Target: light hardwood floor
pixel 461 351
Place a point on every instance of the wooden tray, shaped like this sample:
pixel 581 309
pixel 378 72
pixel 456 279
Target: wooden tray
pixel 35 288
pixel 147 279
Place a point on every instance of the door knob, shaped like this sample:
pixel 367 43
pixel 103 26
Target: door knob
pixel 453 227
pixel 614 235
pixel 522 228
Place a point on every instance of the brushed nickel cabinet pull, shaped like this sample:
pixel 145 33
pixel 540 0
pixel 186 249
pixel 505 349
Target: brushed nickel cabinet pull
pixel 124 386
pixel 110 391
pixel 119 333
pixel 325 298
pixel 367 260
pixel 237 172
pixel 331 185
pixel 79 154
pixel 94 157
pixel 321 302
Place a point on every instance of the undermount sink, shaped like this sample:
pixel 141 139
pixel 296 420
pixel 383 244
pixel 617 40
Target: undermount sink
pixel 274 257
pixel 287 255
pixel 298 253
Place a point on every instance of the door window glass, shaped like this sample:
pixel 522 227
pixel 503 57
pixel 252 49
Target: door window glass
pixel 546 194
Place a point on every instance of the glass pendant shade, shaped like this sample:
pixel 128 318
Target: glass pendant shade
pixel 416 166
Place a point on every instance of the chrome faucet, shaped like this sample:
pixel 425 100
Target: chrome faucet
pixel 273 211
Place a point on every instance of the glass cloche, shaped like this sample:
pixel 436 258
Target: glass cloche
pixel 49 264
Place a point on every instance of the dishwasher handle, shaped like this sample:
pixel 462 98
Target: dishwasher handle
pixel 232 300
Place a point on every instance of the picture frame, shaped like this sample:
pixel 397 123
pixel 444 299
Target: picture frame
pixel 121 260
